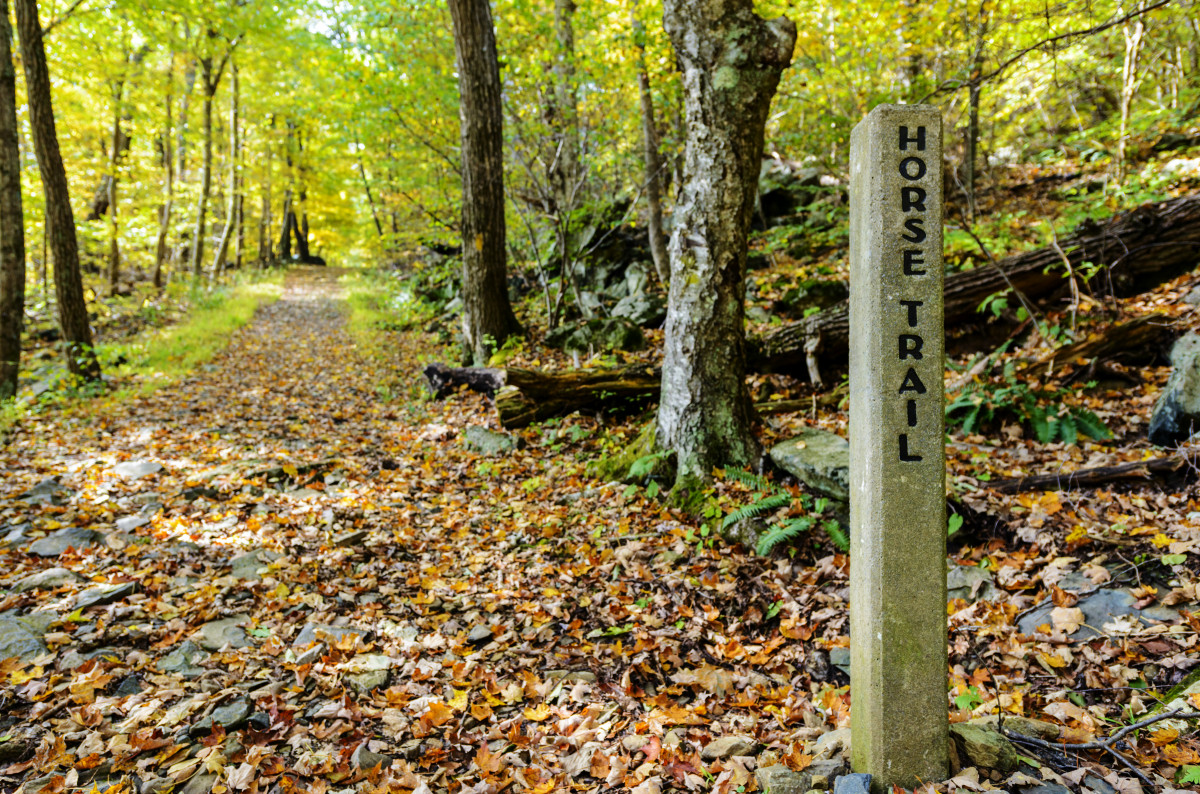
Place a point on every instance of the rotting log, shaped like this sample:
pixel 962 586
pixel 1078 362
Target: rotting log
pixel 1155 469
pixel 1139 249
pixel 1141 334
pixel 443 379
pixel 532 395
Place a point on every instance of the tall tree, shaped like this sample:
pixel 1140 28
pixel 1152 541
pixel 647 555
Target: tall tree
pixel 488 318
pixel 653 158
pixel 731 60
pixel 12 219
pixel 211 69
pixel 60 220
pixel 234 153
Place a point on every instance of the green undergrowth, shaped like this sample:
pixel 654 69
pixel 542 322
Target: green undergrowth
pixel 153 358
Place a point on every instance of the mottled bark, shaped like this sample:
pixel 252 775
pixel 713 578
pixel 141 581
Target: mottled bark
pixel 119 139
pixel 564 171
pixel 210 89
pixel 60 220
pixel 234 148
pixel 488 318
pixel 653 159
pixel 732 60
pixel 12 219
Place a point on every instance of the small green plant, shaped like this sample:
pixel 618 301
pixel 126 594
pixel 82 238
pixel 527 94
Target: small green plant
pixel 1044 409
pixel 971 699
pixel 784 526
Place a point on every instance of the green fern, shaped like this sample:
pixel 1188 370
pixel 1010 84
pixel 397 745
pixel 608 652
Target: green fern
pixel 835 532
pixel 764 504
pixel 783 532
pixel 755 482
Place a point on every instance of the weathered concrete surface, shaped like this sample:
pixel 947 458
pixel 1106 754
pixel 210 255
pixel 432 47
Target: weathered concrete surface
pixel 899 716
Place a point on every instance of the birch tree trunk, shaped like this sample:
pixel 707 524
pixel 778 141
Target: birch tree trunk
pixel 60 220
pixel 488 318
pixel 1135 34
pixel 12 219
pixel 732 60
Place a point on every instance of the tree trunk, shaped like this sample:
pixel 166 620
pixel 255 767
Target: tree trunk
pixel 119 139
pixel 12 219
pixel 285 235
pixel 60 220
pixel 165 209
pixel 181 149
pixel 564 171
pixel 1135 33
pixel 488 318
pixel 210 89
pixel 234 147
pixel 1141 248
pixel 362 172
pixel 265 252
pixel 732 60
pixel 653 158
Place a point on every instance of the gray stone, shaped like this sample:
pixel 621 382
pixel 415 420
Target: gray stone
pixel 18 638
pixel 130 523
pixel 311 655
pixel 480 635
pixel 647 310
pixel 840 658
pixel 15 536
pixel 970 583
pixel 156 785
pixel 105 594
pixel 200 784
pixel 778 779
pixel 811 294
pixel 231 716
pixel 68 538
pixel 1094 784
pixel 819 459
pixel 364 683
pixel 1046 788
pixel 46 580
pixel 855 783
pixel 984 747
pixel 184 660
pixel 248 565
pixel 365 759
pixel 600 334
pixel 1176 415
pixel 309 634
pixel 488 442
pixel 216 634
pixel 1100 609
pixel 898 630
pixel 832 744
pixel 48 491
pixel 728 746
pixel 349 539
pixel 137 469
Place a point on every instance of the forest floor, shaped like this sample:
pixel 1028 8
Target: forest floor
pixel 277 575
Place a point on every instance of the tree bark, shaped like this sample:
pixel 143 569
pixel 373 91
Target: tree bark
pixel 234 148
pixel 12 219
pixel 1135 33
pixel 119 139
pixel 60 220
pixel 1141 248
pixel 653 159
pixel 488 319
pixel 210 90
pixel 168 166
pixel 732 60
pixel 285 234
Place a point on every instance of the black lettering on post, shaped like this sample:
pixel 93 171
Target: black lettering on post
pixel 912 311
pixel 912 258
pixel 912 198
pixel 912 413
pixel 908 163
pixel 910 346
pixel 912 383
pixel 904 453
pixel 916 226
pixel 906 139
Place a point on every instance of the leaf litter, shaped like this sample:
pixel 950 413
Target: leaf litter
pixel 266 578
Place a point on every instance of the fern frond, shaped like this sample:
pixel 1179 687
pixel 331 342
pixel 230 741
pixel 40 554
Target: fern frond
pixel 835 532
pixel 764 505
pixel 783 532
pixel 749 479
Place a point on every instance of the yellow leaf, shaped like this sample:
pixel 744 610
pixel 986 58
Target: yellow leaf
pixel 291 471
pixel 19 677
pixel 459 701
pixel 1160 540
pixel 537 713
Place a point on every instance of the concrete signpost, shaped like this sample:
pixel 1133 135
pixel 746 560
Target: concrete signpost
pixel 899 714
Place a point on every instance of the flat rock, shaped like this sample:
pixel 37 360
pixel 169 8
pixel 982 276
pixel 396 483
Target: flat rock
pixel 137 469
pixel 819 459
pixel 1103 608
pixel 130 523
pixel 48 491
pixel 19 639
pixel 1176 414
pixel 727 747
pixel 200 784
pixel 647 310
pixel 215 635
pixel 970 583
pixel 831 744
pixel 480 635
pixel 1046 788
pixel 365 759
pixel 68 538
pixel 46 580
pixel 488 442
pixel 248 565
pixel 14 535
pixel 231 716
pixel 312 632
pixel 983 747
pixel 855 783
pixel 105 594
pixel 347 539
pixel 778 779
pixel 365 683
pixel 184 660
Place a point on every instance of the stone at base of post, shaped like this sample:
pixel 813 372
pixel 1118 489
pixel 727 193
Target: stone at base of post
pixel 899 707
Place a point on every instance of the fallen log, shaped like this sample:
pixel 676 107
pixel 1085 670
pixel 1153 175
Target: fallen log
pixel 533 395
pixel 1140 249
pixel 443 379
pixel 1141 334
pixel 1146 470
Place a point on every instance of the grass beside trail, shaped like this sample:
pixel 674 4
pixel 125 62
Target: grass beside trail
pixel 158 356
